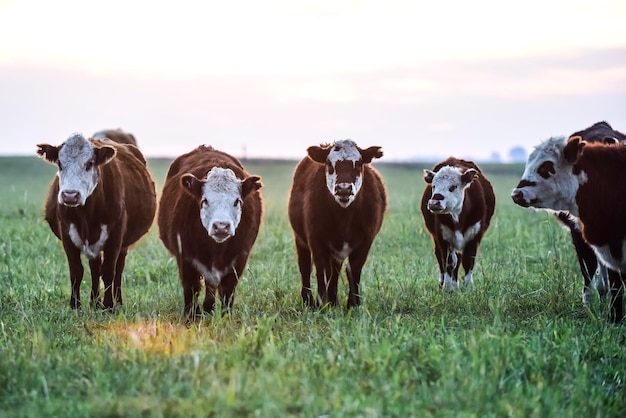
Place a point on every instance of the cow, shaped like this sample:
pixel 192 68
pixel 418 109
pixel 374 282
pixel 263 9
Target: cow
pixel 336 206
pixel 102 201
pixel 116 135
pixel 457 205
pixel 209 217
pixel 539 187
pixel 596 192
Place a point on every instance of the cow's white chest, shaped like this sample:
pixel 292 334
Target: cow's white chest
pixel 458 239
pixel 212 276
pixel 605 256
pixel 90 250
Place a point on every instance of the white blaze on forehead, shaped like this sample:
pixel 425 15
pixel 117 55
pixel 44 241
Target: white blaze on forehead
pixel 344 150
pixel 221 191
pixel 74 157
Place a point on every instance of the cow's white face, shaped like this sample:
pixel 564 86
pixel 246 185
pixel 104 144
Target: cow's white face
pixel 548 181
pixel 448 189
pixel 344 163
pixel 220 196
pixel 78 161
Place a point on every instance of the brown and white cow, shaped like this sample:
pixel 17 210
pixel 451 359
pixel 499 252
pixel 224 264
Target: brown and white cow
pixel 116 135
pixel 101 202
pixel 545 184
pixel 599 201
pixel 209 217
pixel 336 207
pixel 457 205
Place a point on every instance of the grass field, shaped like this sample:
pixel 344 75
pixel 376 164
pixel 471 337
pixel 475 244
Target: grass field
pixel 519 344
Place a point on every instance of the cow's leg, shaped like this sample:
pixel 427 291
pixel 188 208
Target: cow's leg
pixel 353 271
pixel 95 266
pixel 323 273
pixel 468 259
pixel 441 253
pixel 452 267
pixel 76 272
pixel 304 264
pixel 119 269
pixel 616 313
pixel 226 289
pixel 333 281
pixel 586 257
pixel 601 279
pixel 190 279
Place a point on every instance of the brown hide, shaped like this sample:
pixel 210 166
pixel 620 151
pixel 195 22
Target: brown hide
pixel 321 227
pixel 125 201
pixel 117 135
pixel 478 205
pixel 180 225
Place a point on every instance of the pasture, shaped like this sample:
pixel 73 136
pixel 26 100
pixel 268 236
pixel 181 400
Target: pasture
pixel 519 344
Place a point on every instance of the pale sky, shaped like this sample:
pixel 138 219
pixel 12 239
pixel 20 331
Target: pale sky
pixel 422 79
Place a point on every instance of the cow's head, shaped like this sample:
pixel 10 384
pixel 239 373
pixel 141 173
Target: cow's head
pixel 79 162
pixel 448 186
pixel 344 162
pixel 548 181
pixel 220 197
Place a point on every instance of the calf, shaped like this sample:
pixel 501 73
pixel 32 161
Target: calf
pixel 595 192
pixel 457 206
pixel 540 187
pixel 101 202
pixel 336 207
pixel 209 218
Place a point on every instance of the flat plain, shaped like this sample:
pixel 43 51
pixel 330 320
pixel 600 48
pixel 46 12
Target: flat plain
pixel 518 344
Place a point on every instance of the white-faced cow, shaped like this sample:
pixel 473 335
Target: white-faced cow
pixel 543 185
pixel 209 217
pixel 598 199
pixel 457 205
pixel 336 207
pixel 101 202
pixel 116 135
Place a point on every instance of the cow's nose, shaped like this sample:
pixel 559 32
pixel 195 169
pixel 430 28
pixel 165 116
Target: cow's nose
pixel 70 197
pixel 437 196
pixel 343 190
pixel 221 228
pixel 518 196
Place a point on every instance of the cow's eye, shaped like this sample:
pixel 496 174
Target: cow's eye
pixel 358 165
pixel 330 168
pixel 237 202
pixel 204 202
pixel 452 188
pixel 60 166
pixel 546 169
pixel 89 166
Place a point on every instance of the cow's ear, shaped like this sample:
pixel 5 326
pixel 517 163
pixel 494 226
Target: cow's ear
pixel 192 185
pixel 573 148
pixel 249 185
pixel 49 153
pixel 469 176
pixel 104 154
pixel 372 152
pixel 429 176
pixel 318 154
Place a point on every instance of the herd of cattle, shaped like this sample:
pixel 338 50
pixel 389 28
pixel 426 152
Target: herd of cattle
pixel 103 200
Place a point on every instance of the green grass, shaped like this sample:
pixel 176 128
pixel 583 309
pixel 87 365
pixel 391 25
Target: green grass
pixel 519 344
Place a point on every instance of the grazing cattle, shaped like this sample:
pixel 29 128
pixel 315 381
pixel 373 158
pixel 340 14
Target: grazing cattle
pixel 457 206
pixel 541 186
pixel 102 201
pixel 596 192
pixel 209 217
pixel 336 207
pixel 116 135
